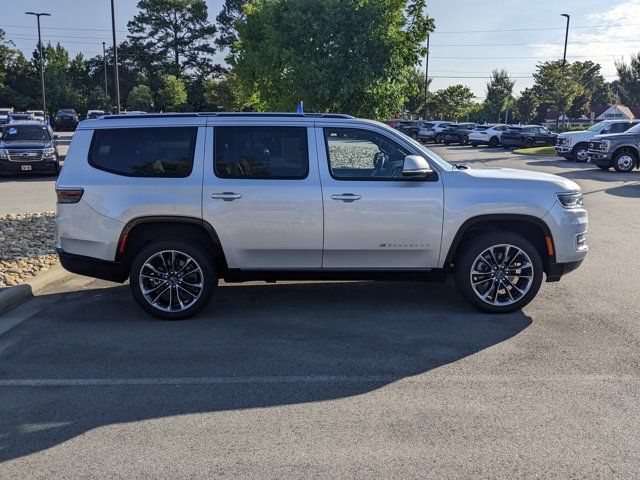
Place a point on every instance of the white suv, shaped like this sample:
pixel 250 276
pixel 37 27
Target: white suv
pixel 176 202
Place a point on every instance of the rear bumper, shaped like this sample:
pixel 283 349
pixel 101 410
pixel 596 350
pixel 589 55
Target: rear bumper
pixel 93 267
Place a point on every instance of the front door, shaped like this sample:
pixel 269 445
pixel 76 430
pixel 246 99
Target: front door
pixel 373 217
pixel 262 195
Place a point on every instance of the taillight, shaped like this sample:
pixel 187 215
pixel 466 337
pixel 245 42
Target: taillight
pixel 69 195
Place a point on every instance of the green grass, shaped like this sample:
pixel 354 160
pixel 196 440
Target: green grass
pixel 551 151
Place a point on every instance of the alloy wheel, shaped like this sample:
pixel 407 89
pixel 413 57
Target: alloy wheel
pixel 625 162
pixel 501 275
pixel 171 281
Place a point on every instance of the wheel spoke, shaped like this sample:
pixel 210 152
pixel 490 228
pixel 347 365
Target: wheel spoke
pixel 179 299
pixel 158 297
pixel 185 290
pixel 148 291
pixel 152 268
pixel 184 266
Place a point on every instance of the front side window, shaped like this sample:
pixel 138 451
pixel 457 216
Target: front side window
pixel 144 152
pixel 261 152
pixel 356 154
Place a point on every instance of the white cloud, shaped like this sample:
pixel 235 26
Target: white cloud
pixel 614 37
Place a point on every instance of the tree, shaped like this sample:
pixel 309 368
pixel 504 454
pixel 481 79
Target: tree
pixel 140 98
pixel 629 80
pixel 172 96
pixel 555 85
pixel 174 34
pixel 454 102
pixel 416 103
pixel 231 13
pixel 499 95
pixel 225 95
pixel 527 106
pixel 349 56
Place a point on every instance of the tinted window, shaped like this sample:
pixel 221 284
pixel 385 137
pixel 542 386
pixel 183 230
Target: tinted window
pixel 620 127
pixel 144 152
pixel 261 152
pixel 356 154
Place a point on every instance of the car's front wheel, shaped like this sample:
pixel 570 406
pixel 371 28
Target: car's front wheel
pixel 498 272
pixel 173 280
pixel 580 152
pixel 624 162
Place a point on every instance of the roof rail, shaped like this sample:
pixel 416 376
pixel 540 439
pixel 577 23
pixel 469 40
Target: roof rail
pixel 229 114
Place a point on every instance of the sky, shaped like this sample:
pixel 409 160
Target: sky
pixel 472 37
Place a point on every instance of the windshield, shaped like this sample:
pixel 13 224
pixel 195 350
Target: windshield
pixel 634 129
pixel 66 111
pixel 5 111
pixel 597 127
pixel 12 133
pixel 427 125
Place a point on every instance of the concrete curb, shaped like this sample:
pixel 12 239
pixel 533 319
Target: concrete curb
pixel 11 296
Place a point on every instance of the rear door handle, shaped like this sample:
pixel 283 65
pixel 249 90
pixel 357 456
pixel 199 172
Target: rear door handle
pixel 226 196
pixel 346 197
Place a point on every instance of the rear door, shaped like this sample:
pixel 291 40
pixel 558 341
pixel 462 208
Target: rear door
pixel 262 194
pixel 373 217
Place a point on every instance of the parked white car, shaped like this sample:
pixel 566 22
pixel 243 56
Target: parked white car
pixel 487 135
pixel 4 115
pixel 575 145
pixel 176 202
pixel 37 115
pixel 433 131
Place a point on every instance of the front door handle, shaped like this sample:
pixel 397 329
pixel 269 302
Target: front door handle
pixel 226 196
pixel 346 197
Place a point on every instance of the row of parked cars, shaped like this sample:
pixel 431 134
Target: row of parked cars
pixel 610 143
pixel 62 119
pixel 493 135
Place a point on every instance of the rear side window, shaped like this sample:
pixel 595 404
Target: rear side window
pixel 261 152
pixel 144 152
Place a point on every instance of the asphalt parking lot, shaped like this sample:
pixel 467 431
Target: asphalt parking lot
pixel 339 380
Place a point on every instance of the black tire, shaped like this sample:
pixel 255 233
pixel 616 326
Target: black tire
pixel 624 161
pixel 579 152
pixel 465 140
pixel 494 142
pixel 438 138
pixel 469 251
pixel 474 145
pixel 198 254
pixel 527 143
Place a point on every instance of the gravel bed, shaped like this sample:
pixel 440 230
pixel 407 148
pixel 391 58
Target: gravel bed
pixel 27 246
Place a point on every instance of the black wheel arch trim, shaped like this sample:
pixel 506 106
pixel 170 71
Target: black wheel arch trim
pixel 496 218
pixel 172 219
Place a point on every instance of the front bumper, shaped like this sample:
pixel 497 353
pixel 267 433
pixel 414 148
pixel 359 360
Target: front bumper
pixel 555 271
pixel 93 267
pixel 563 150
pixel 600 158
pixel 48 166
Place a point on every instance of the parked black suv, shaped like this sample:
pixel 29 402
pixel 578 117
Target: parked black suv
pixel 618 150
pixel 28 147
pixel 65 119
pixel 527 136
pixel 410 128
pixel 458 133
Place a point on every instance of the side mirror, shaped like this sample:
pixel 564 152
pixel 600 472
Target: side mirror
pixel 415 166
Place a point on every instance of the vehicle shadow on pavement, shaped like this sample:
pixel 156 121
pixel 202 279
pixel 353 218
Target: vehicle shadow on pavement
pixel 586 171
pixel 257 345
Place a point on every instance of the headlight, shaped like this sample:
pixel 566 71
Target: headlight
pixel 564 141
pixel 49 152
pixel 603 145
pixel 571 199
pixel 4 154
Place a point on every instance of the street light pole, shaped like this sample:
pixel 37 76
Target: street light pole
pixel 566 39
pixel 104 58
pixel 426 78
pixel 564 62
pixel 115 57
pixel 44 99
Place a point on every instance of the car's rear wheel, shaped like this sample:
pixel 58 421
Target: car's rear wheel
pixel 474 145
pixel 528 143
pixel 493 143
pixel 438 138
pixel 624 162
pixel 173 280
pixel 498 272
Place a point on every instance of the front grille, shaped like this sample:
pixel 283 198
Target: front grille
pixel 25 156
